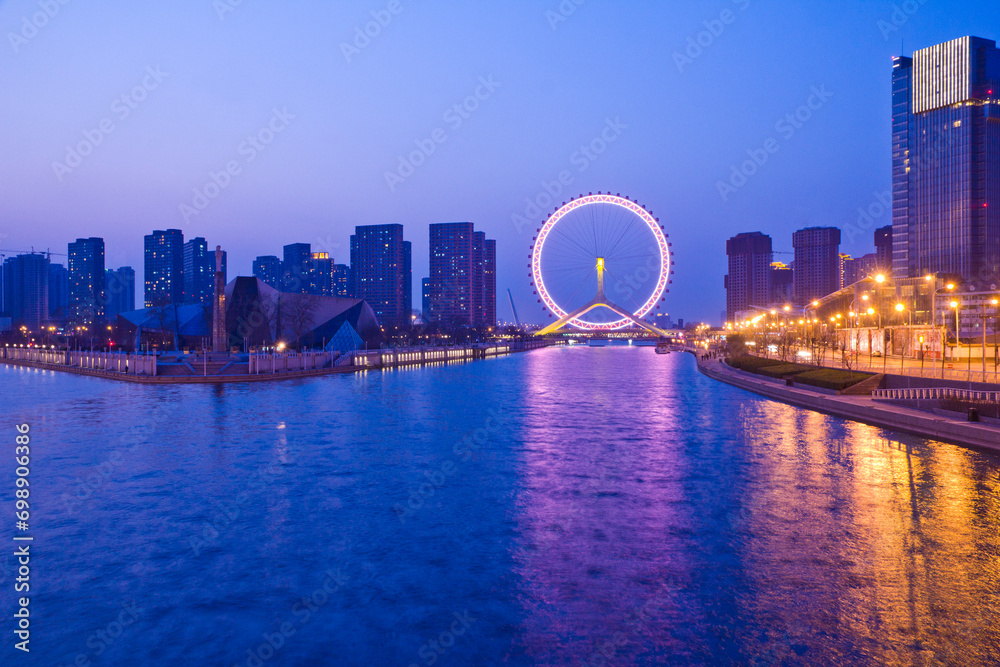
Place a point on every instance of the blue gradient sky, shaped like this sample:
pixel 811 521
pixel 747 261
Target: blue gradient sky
pixel 325 172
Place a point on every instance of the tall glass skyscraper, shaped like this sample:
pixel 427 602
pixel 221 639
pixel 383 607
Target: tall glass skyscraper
pixel 946 161
pixel 817 263
pixel 121 291
pixel 163 255
pixel 26 289
pixel 748 280
pixel 86 281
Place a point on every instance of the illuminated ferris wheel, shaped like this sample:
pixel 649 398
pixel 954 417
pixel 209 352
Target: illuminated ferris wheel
pixel 599 263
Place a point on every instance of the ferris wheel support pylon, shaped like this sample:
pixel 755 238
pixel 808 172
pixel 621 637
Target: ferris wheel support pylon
pixel 600 300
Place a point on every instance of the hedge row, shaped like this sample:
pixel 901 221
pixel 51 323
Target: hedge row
pixel 825 378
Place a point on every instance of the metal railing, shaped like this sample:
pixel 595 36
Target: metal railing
pixel 935 394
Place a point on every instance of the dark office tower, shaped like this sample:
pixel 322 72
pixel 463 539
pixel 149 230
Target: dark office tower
pixel 748 281
pixel 425 299
pixel 946 160
pixel 452 268
pixel 340 280
pixel 295 268
pixel 490 284
pixel 268 269
pixel 163 266
pixel 58 293
pixel 781 283
pixel 478 270
pixel 817 263
pixel 883 249
pixel 199 272
pixel 320 274
pixel 408 282
pixel 26 290
pixel 86 281
pixel 380 273
pixel 121 291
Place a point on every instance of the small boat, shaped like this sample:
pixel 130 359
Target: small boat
pixel 663 347
pixel 598 342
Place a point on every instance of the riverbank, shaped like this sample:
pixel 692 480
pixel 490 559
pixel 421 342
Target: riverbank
pixel 180 369
pixel 861 408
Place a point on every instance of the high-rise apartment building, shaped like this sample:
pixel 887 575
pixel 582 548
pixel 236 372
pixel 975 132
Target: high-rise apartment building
pixel 883 249
pixel 381 273
pixel 817 263
pixel 268 269
pixel 295 264
pixel 340 280
pixel 946 160
pixel 199 271
pixel 26 290
pixel 120 289
pixel 320 274
pixel 58 293
pixel 748 282
pixel 462 284
pixel 86 281
pixel 163 264
pixel 425 299
pixel 782 278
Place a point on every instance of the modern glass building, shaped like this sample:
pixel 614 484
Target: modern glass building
pixel 163 264
pixel 320 274
pixel 462 284
pixel 817 263
pixel 268 269
pixel 381 273
pixel 86 281
pixel 946 161
pixel 748 280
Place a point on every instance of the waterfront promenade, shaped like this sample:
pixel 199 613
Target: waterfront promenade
pixel 932 424
pixel 215 368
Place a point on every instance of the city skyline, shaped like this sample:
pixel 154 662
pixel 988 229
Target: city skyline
pixel 190 134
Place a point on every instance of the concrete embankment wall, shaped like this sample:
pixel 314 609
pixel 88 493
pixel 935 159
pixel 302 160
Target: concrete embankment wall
pixel 865 410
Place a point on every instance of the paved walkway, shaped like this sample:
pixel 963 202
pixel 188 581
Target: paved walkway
pixel 862 408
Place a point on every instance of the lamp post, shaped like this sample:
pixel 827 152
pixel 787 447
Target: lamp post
pixel 949 287
pixel 900 308
pixel 958 339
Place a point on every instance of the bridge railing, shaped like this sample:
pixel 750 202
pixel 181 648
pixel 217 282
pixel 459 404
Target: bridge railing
pixel 936 394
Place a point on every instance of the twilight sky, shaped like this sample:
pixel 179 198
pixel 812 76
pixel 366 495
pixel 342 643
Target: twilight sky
pixel 167 94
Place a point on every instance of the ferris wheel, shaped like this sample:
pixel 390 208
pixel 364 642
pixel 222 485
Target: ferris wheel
pixel 599 263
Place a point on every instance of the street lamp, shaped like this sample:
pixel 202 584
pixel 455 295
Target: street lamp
pixel 900 308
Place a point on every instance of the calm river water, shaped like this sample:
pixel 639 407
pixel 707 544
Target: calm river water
pixel 559 507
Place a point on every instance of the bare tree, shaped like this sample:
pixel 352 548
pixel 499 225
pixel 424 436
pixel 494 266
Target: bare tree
pixel 298 314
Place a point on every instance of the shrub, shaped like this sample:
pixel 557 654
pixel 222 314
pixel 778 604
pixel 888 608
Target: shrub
pixel 781 370
pixel 831 378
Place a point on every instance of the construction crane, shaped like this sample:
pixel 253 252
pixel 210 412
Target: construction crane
pixel 32 251
pixel 517 321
